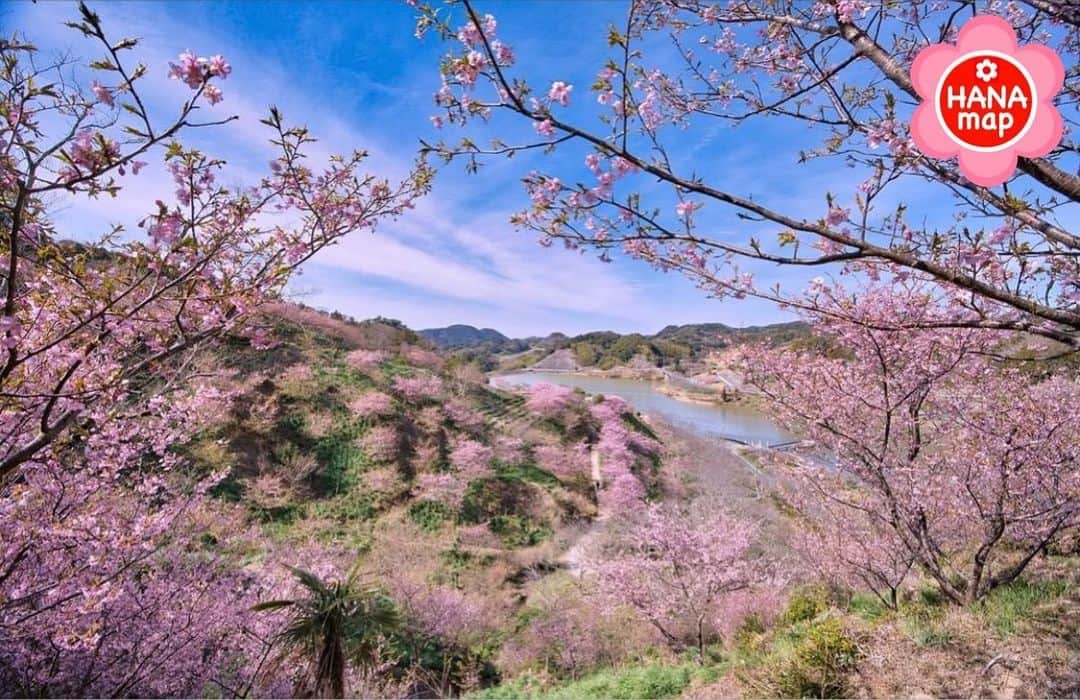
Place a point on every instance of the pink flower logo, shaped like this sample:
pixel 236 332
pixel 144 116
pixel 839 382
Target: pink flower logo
pixel 987 100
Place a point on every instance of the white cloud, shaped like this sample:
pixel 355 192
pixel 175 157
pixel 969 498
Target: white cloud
pixel 449 260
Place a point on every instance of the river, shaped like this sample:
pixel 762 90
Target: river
pixel 732 421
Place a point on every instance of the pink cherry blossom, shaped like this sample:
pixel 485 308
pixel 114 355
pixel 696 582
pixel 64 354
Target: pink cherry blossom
pixel 373 404
pixel 682 571
pixel 365 360
pixel 933 432
pixel 471 457
pixel 103 94
pixel 188 70
pixel 560 92
pixel 218 67
pixel 546 399
pixel 420 388
pixel 117 565
pixel 213 94
pixel 544 127
pixel 381 443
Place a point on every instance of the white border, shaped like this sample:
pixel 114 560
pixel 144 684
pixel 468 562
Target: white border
pixel 1031 85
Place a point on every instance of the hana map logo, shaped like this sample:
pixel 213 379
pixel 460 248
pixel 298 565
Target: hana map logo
pixel 987 100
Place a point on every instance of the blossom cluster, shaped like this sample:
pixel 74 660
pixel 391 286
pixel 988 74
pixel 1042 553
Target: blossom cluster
pixel 422 387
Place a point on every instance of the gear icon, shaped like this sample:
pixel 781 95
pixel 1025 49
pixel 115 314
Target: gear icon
pixel 986 70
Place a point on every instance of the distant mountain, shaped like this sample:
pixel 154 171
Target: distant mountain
pixel 461 336
pixel 697 336
pixel 709 336
pixel 681 347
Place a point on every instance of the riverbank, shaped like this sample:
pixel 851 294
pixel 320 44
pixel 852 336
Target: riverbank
pixel 673 384
pixel 740 421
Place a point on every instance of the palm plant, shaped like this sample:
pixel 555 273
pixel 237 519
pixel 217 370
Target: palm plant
pixel 335 623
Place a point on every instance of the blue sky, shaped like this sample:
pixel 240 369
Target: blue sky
pixel 356 75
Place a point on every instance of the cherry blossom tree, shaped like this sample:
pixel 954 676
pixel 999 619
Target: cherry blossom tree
pixel 547 399
pixel 682 571
pixel 955 460
pixel 464 417
pixel 373 404
pixel 103 589
pixel 382 443
pixel 620 450
pixel 567 463
pixel 471 458
pixel 834 75
pixel 420 388
pixel 365 360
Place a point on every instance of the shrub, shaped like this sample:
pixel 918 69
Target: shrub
pixel 527 472
pixel 750 632
pixel 806 604
pixel 653 681
pixel 485 498
pixel 821 663
pixel 430 515
pixel 518 531
pixel 349 507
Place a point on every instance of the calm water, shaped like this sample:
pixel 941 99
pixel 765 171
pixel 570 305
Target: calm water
pixel 730 421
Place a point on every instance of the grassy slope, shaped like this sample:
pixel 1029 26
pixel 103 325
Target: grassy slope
pixel 291 428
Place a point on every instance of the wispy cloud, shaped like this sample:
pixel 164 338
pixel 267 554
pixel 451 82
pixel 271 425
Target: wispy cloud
pixel 453 259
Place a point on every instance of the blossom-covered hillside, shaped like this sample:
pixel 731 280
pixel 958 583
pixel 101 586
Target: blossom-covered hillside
pixel 349 444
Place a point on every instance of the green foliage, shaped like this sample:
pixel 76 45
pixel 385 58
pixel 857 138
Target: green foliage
pixel 526 471
pixel 281 515
pixel 553 425
pixel 524 686
pixel 457 561
pixel 353 506
pixel 498 495
pixel 586 354
pixel 635 423
pixel 654 681
pixel 806 604
pixel 448 665
pixel 750 631
pixel 1006 608
pixel 396 367
pixel 629 682
pixel 228 489
pixel 430 515
pixel 922 618
pixel 336 623
pixel 340 461
pixel 291 427
pixel 867 606
pixel 518 530
pixel 820 664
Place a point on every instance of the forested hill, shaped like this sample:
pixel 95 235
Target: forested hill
pixel 463 336
pixel 606 349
